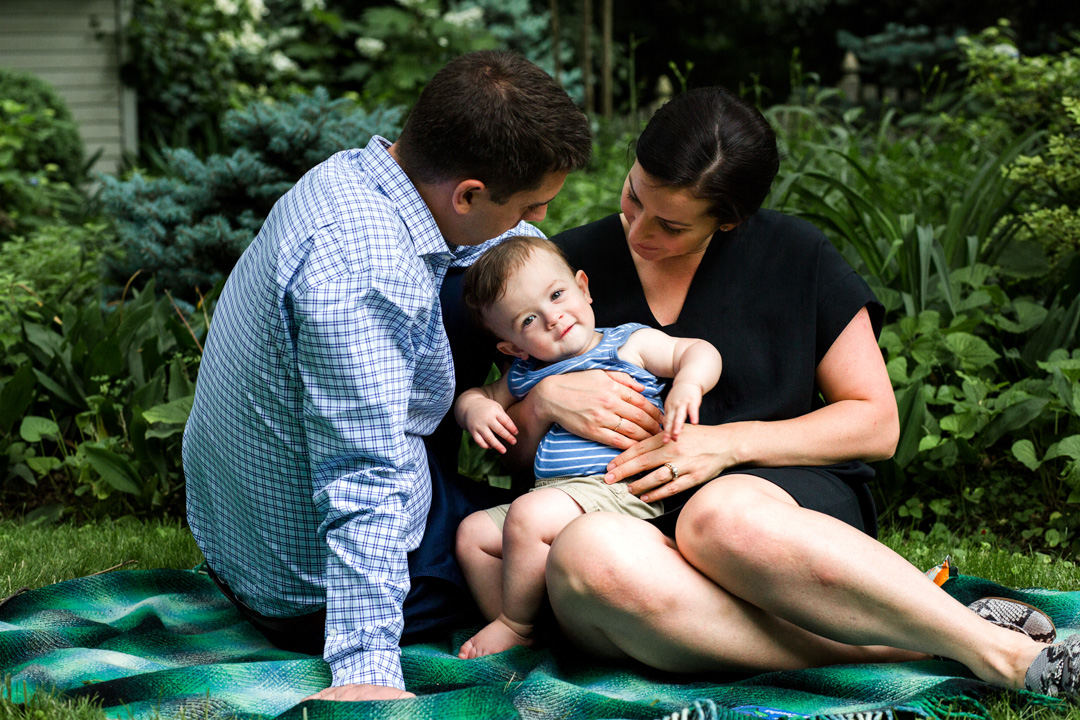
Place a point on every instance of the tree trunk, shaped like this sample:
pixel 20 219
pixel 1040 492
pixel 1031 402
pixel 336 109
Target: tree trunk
pixel 586 55
pixel 606 81
pixel 555 44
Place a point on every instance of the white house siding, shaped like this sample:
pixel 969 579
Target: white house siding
pixel 75 45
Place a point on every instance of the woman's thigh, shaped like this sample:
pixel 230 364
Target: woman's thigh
pixel 620 589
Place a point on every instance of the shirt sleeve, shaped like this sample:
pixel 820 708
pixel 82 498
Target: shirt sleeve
pixel 355 358
pixel 842 292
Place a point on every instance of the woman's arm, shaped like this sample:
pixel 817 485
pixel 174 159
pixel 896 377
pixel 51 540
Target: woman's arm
pixel 600 405
pixel 860 422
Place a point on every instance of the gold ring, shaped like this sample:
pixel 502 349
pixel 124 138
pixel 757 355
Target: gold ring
pixel 674 471
pixel 617 425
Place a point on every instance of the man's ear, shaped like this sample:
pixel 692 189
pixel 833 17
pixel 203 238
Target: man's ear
pixel 582 281
pixel 464 194
pixel 508 348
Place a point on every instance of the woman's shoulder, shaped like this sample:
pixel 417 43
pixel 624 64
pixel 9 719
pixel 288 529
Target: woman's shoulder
pixel 589 239
pixel 782 227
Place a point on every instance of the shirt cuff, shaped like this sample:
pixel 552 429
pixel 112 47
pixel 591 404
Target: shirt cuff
pixel 369 667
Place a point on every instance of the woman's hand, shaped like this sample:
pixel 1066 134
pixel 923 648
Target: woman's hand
pixel 700 454
pixel 600 405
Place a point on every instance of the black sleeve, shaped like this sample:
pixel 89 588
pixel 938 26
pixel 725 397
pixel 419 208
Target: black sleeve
pixel 841 294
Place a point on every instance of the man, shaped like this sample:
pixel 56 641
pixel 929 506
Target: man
pixel 307 476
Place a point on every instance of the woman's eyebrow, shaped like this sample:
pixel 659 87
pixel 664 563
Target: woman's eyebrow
pixel 669 222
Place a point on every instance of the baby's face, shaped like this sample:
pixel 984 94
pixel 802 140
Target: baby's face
pixel 545 311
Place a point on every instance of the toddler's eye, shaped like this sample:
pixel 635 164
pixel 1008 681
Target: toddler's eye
pixel 527 321
pixel 556 295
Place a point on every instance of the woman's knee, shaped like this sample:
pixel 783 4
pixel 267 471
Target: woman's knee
pixel 595 560
pixel 729 518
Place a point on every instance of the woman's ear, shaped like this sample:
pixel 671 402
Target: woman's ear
pixel 508 348
pixel 464 194
pixel 582 281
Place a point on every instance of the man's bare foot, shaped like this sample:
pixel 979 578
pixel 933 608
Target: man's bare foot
pixel 500 634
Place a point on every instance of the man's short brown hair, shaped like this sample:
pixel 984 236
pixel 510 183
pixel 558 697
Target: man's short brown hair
pixel 485 280
pixel 493 116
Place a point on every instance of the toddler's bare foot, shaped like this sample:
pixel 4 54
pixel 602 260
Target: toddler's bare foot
pixel 500 634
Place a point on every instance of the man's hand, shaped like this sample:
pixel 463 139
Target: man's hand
pixel 360 692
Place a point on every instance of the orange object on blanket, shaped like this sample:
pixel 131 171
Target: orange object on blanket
pixel 940 573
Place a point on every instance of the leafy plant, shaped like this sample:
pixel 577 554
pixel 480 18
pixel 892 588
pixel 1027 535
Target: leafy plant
pixel 51 137
pixel 95 406
pixel 192 61
pixel 35 190
pixel 189 229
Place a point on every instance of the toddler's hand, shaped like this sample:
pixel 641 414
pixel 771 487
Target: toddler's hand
pixel 487 422
pixel 682 404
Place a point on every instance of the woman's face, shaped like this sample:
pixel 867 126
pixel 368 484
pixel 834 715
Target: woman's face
pixel 664 222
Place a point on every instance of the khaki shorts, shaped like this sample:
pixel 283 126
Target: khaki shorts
pixel 593 495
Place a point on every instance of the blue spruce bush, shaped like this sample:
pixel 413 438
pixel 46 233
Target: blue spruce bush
pixel 190 228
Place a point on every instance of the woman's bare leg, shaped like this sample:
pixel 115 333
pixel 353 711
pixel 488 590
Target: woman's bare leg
pixel 750 537
pixel 620 589
pixel 531 525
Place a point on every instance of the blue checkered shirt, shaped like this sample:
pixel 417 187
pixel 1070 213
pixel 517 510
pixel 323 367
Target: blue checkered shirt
pixel 326 363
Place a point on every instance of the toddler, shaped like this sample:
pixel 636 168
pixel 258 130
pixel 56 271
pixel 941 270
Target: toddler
pixel 527 295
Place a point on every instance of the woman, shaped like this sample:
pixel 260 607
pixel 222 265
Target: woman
pixel 769 560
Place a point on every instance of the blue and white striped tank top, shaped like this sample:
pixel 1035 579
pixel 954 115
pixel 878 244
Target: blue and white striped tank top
pixel 561 453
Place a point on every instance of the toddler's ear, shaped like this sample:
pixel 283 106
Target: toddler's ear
pixel 582 281
pixel 508 348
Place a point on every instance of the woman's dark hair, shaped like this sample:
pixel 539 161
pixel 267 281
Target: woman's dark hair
pixel 494 116
pixel 718 146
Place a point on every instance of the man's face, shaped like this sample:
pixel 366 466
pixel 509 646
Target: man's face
pixel 487 219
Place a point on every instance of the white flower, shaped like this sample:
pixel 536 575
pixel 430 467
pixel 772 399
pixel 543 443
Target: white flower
pixel 228 7
pixel 310 5
pixel 227 39
pixel 410 3
pixel 282 62
pixel 469 17
pixel 443 42
pixel 256 8
pixel 1007 50
pixel 250 40
pixel 370 47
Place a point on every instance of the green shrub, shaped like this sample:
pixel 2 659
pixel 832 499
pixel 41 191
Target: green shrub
pixel 93 405
pixel 191 61
pixel 41 157
pixel 51 138
pixel 59 262
pixel 189 229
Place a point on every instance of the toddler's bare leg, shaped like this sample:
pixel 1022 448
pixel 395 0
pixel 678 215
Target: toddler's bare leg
pixel 532 524
pixel 479 552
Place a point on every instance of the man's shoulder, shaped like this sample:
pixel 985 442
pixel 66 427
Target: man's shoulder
pixel 344 189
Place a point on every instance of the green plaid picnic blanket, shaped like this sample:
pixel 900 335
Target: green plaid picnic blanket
pixel 162 642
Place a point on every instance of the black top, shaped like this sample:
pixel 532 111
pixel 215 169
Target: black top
pixel 772 295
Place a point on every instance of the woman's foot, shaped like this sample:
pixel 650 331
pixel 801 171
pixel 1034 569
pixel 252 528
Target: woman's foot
pixel 1056 670
pixel 500 634
pixel 1016 615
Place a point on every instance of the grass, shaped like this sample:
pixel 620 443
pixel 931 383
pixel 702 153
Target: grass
pixel 33 556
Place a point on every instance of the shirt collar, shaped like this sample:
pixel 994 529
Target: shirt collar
pixel 392 180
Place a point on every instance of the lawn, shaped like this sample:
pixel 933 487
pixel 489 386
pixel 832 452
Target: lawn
pixel 37 556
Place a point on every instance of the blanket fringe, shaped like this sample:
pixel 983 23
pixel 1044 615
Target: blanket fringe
pixel 703 709
pixel 957 707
